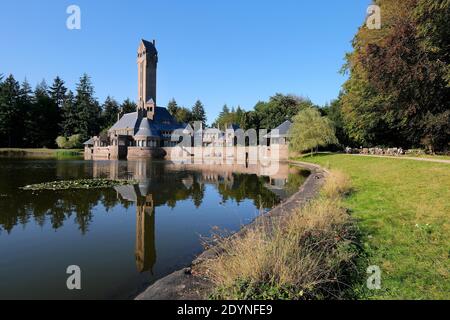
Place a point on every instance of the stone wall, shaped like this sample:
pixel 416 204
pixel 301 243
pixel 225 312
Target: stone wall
pixel 220 154
pixel 145 153
pixel 237 153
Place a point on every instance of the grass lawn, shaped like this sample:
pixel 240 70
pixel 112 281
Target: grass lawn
pixel 403 211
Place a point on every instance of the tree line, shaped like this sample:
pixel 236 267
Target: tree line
pixel 265 114
pixel 34 118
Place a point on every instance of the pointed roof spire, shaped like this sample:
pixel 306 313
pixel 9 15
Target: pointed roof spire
pixel 150 47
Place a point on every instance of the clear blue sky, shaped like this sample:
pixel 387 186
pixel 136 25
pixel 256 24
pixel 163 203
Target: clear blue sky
pixel 230 51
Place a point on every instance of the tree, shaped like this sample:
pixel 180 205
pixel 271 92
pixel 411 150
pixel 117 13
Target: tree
pixel 10 112
pixel 128 106
pixel 398 91
pixel 278 109
pixel 27 102
pixel 225 111
pixel 69 117
pixel 183 115
pixel 198 112
pixel 172 107
pixel 310 130
pixel 227 117
pixel 58 92
pixel 88 109
pixel 42 127
pixel 333 111
pixel 110 110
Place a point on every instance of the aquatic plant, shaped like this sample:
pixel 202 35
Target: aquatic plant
pixel 78 184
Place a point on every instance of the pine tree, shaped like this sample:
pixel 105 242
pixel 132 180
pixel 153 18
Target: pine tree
pixel 45 111
pixel 88 109
pixel 58 92
pixel 69 116
pixel 27 100
pixel 198 112
pixel 110 110
pixel 9 112
pixel 172 107
pixel 128 106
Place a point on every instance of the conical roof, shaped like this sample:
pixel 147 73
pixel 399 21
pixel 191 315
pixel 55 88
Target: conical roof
pixel 145 129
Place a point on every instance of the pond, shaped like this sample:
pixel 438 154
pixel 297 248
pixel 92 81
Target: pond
pixel 126 237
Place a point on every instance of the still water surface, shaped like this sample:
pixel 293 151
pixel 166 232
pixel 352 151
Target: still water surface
pixel 123 238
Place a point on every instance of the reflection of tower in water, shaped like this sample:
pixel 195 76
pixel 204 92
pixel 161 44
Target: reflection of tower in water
pixel 145 251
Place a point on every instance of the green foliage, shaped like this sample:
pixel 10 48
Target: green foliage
pixel 198 112
pixel 310 130
pixel 279 109
pixel 73 142
pixel 227 117
pixel 246 289
pixel 58 92
pixel 183 115
pixel 265 115
pixel 333 112
pixel 110 110
pixel 128 106
pixel 88 108
pixel 172 107
pixel 61 142
pixel 10 111
pixel 69 115
pixel 398 92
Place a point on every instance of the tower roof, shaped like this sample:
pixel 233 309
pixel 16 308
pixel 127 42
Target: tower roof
pixel 149 46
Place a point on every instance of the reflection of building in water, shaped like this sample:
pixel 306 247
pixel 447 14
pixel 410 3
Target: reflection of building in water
pixel 145 250
pixel 166 183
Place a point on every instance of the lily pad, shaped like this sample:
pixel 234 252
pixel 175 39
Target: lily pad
pixel 78 184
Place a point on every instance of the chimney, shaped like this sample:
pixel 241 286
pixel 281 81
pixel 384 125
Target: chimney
pixel 154 42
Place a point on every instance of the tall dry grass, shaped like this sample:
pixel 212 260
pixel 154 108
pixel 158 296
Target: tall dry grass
pixel 304 256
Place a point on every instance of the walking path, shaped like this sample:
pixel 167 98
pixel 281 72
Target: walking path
pixel 403 158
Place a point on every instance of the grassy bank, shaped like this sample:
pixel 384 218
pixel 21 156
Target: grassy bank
pixel 308 255
pixel 39 153
pixel 403 211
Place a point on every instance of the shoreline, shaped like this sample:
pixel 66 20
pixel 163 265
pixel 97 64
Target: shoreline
pixel 186 284
pixel 37 153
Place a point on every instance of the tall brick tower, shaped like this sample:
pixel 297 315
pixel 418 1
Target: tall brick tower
pixel 147 60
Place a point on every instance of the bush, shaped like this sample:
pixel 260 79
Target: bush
pixel 61 142
pixel 74 142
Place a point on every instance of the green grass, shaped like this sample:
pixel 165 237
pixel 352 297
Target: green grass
pixel 403 211
pixel 40 153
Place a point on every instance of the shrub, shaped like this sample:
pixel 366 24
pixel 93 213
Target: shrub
pixel 74 142
pixel 61 142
